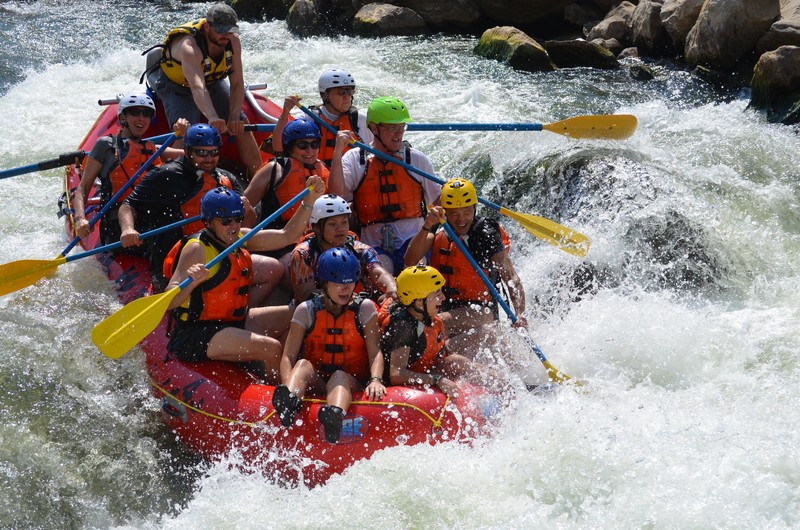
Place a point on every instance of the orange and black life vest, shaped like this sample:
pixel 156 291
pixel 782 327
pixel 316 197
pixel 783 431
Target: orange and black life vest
pixel 291 182
pixel 121 172
pixel 345 122
pixel 225 295
pixel 214 69
pixel 428 349
pixel 337 343
pixel 386 193
pixel 191 207
pixel 463 282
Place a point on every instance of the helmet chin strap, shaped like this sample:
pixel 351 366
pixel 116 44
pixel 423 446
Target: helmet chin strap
pixel 426 316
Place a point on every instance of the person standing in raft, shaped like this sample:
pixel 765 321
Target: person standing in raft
pixel 280 179
pixel 196 59
pixel 115 159
pixel 337 89
pixel 212 318
pixel 468 304
pixel 388 200
pixel 173 192
pixel 332 348
pixel 330 225
pixel 414 340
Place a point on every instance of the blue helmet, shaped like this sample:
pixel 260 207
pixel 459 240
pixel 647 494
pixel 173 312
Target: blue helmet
pixel 300 129
pixel 202 135
pixel 221 202
pixel 338 265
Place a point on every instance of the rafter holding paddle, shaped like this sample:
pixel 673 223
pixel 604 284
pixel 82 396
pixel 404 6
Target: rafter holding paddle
pixel 123 330
pixel 553 373
pixel 22 273
pixel 557 235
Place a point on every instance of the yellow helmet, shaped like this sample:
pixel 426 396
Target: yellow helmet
pixel 418 282
pixel 457 193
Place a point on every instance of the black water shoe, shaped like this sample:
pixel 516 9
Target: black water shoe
pixel 331 418
pixel 286 404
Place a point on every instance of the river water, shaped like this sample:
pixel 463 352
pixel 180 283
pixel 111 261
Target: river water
pixel 683 319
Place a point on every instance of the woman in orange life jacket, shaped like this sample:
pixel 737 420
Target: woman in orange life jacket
pixel 212 316
pixel 337 89
pixel 280 179
pixel 115 159
pixel 333 346
pixel 468 306
pixel 330 225
pixel 414 341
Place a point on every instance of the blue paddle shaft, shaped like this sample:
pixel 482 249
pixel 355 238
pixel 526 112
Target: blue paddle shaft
pixel 118 244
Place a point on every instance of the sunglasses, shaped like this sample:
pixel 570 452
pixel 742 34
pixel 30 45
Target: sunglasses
pixel 226 221
pixel 394 127
pixel 202 153
pixel 147 113
pixel 303 144
pixel 344 91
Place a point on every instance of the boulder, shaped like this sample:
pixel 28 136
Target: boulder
pixel 785 31
pixel 582 12
pixel 305 19
pixel 726 30
pixel 444 14
pixel 776 85
pixel 612 45
pixel 512 46
pixel 381 20
pixel 262 9
pixel 647 31
pixel 615 25
pixel 521 12
pixel 678 17
pixel 578 52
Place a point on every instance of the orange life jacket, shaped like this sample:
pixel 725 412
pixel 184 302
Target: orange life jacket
pixel 139 152
pixel 345 122
pixel 386 193
pixel 463 282
pixel 293 181
pixel 337 343
pixel 225 295
pixel 429 348
pixel 191 207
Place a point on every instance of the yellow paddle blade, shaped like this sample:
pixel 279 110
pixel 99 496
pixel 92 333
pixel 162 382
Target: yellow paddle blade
pixel 557 235
pixel 20 274
pixel 608 126
pixel 123 330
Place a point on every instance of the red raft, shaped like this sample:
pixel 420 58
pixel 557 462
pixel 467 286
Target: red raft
pixel 218 407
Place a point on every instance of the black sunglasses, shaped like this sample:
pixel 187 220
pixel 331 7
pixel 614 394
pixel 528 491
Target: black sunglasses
pixel 225 221
pixel 147 113
pixel 202 153
pixel 303 144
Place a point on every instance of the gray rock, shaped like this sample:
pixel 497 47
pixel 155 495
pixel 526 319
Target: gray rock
pixel 678 17
pixel 776 85
pixel 616 24
pixel 578 52
pixel 728 29
pixel 381 20
pixel 647 31
pixel 512 46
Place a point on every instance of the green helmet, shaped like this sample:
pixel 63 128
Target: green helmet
pixel 387 110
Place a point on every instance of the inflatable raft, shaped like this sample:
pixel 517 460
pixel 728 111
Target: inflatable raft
pixel 216 407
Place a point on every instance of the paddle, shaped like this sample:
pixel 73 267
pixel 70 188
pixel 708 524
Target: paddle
pixel 113 200
pixel 123 330
pixel 552 372
pixel 607 126
pixel 66 159
pixel 557 235
pixel 22 273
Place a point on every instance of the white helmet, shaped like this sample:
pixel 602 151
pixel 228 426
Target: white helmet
pixel 328 205
pixel 135 100
pixel 335 79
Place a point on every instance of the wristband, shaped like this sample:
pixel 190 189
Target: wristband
pixel 375 378
pixel 436 379
pixel 307 207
